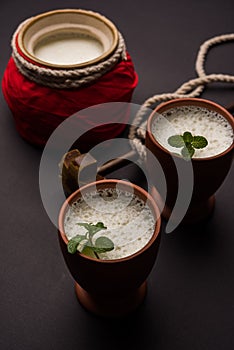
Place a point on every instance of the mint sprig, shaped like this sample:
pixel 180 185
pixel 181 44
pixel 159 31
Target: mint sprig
pixel 188 143
pixel 85 243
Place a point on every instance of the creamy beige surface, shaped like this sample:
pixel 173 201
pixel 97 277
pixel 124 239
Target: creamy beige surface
pixel 68 49
pixel 200 122
pixel 130 223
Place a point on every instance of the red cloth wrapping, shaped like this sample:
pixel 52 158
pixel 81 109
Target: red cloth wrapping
pixel 38 110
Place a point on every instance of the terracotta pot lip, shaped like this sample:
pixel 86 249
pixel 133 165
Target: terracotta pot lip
pixel 98 16
pixel 111 182
pixel 188 101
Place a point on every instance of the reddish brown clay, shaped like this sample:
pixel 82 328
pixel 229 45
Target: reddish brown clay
pixel 209 173
pixel 111 287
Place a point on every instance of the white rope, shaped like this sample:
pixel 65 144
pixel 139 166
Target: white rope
pixel 66 78
pixel 191 88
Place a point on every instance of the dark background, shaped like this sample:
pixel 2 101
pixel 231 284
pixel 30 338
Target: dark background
pixel 190 301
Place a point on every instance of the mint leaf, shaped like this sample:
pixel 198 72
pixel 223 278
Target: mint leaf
pixel 84 243
pixel 199 142
pixel 103 244
pixel 187 137
pixel 188 142
pixel 188 151
pixel 92 229
pixel 89 252
pixel 176 141
pixel 100 225
pixel 74 242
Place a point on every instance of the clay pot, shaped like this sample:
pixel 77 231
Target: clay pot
pixel 64 24
pixel 209 173
pixel 111 287
pixel 68 60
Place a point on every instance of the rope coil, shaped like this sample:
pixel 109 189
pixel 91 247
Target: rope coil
pixel 191 88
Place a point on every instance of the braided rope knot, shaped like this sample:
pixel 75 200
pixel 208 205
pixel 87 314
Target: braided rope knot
pixel 66 78
pixel 191 88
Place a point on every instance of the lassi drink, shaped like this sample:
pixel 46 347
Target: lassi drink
pixel 68 48
pixel 129 220
pixel 197 120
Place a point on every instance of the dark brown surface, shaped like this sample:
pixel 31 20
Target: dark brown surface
pixel 189 304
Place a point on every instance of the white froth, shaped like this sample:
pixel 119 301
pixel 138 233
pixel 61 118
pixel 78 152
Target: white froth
pixel 130 223
pixel 66 49
pixel 200 122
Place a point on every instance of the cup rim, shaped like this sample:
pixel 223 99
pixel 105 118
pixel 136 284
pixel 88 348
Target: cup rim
pixel 188 101
pixel 153 206
pixel 33 20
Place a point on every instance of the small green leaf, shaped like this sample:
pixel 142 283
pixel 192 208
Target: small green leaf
pixel 74 242
pixel 89 252
pixel 188 151
pixel 188 142
pixel 85 244
pixel 103 244
pixel 91 228
pixel 100 224
pixel 176 141
pixel 187 137
pixel 199 142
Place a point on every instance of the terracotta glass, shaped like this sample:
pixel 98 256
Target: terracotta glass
pixel 209 173
pixel 111 287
